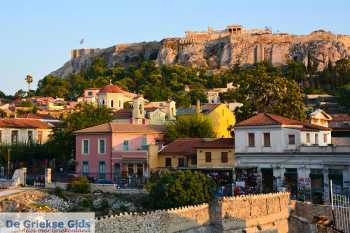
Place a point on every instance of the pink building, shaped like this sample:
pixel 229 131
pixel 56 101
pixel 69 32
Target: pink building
pixel 115 151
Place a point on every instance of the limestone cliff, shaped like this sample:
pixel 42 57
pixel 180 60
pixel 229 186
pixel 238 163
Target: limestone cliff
pixel 217 49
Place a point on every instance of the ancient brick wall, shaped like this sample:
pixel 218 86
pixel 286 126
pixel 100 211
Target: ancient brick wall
pixel 253 213
pixel 173 220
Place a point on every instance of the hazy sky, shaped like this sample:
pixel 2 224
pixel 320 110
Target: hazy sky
pixel 37 35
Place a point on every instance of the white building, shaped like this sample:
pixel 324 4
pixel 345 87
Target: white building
pixel 24 131
pixel 293 155
pixel 213 95
pixel 111 96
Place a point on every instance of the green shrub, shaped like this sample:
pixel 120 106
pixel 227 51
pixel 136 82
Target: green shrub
pixel 86 203
pixel 58 191
pixel 179 188
pixel 79 185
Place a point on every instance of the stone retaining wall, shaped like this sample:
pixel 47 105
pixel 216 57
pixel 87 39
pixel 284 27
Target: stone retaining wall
pixel 253 213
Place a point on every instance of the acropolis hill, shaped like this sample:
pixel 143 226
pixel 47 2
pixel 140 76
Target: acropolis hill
pixel 217 49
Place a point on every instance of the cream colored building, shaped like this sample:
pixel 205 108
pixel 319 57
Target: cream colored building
pixel 14 131
pixel 320 117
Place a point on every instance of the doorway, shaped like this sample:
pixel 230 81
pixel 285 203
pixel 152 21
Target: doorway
pixel 291 179
pixel 117 173
pixel 267 180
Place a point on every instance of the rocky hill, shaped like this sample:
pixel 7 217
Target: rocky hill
pixel 218 49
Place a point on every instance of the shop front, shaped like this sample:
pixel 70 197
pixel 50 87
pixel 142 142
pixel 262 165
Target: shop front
pixel 223 179
pixel 248 181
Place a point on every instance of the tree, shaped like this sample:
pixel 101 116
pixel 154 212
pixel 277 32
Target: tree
pixel 174 189
pixel 296 71
pixel 29 80
pixel 261 91
pixel 53 86
pixel 194 126
pixel 87 115
pixel 344 97
pixel 2 94
pixel 20 94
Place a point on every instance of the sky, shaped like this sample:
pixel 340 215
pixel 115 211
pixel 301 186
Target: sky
pixel 36 36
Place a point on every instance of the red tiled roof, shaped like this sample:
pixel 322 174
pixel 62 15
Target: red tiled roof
pixel 263 119
pixel 111 89
pixel 150 109
pixel 122 128
pixel 341 117
pixel 218 143
pixel 36 116
pixel 312 127
pixel 123 114
pixel 184 146
pixel 188 146
pixel 23 124
pixel 268 119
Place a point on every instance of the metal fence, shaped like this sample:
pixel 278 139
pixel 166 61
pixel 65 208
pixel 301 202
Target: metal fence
pixel 341 211
pixel 133 181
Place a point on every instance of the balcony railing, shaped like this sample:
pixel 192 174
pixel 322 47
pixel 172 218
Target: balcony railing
pixel 325 149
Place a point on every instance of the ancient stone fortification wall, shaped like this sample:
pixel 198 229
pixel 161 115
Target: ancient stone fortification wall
pixel 250 213
pixel 220 49
pixel 254 213
pixel 173 220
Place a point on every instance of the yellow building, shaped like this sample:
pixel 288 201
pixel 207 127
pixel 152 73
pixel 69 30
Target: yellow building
pixel 219 115
pixel 213 157
pixel 194 153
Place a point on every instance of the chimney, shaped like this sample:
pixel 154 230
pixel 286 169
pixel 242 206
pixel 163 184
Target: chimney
pixel 198 106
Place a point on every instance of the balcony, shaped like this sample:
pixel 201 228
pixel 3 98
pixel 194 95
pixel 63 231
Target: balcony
pixel 325 149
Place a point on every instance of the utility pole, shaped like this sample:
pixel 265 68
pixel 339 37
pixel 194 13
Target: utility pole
pixel 8 162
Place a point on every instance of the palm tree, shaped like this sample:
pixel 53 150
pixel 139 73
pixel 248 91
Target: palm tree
pixel 29 80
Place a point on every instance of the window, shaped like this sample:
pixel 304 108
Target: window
pixel 14 136
pixel 224 157
pixel 126 145
pixel 85 146
pixel 140 109
pixel 102 170
pixel 120 104
pixel 316 139
pixel 144 145
pixel 90 93
pixel 251 139
pixel 102 146
pixel 112 103
pixel 267 141
pixel 291 139
pixel 85 168
pixel 194 159
pixel 167 162
pixel 307 137
pixel 130 169
pixel 103 102
pixel 139 168
pixel 40 136
pixel 181 162
pixel 30 136
pixel 0 136
pixel 325 137
pixel 208 157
